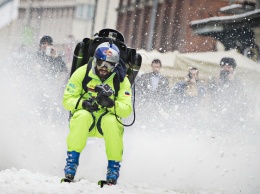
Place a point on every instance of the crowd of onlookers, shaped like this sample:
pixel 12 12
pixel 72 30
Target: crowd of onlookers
pixel 219 98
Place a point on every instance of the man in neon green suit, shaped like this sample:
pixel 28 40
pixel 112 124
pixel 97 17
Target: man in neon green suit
pixel 97 111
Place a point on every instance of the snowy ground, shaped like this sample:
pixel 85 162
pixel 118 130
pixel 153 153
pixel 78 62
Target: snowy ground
pixel 24 181
pixel 159 157
pixel 152 164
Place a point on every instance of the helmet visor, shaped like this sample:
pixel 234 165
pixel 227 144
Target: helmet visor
pixel 110 66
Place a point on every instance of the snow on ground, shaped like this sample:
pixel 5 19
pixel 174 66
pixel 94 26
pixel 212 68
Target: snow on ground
pixel 24 182
pixel 162 154
pixel 183 163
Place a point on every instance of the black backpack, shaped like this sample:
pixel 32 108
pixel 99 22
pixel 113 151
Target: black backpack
pixel 84 52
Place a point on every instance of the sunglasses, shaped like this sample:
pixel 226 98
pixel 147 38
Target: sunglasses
pixel 110 66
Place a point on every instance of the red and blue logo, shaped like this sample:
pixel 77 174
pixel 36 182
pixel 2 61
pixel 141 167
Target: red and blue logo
pixel 107 52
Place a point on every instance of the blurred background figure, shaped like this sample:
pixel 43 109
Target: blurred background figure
pixel 152 93
pixel 49 58
pixel 227 96
pixel 51 71
pixel 189 91
pixel 153 86
pixel 225 83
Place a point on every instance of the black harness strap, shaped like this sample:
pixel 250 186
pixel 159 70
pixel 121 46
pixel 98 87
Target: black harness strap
pixel 99 123
pixel 87 79
pixel 79 100
pixel 116 84
pixel 93 124
pixel 85 82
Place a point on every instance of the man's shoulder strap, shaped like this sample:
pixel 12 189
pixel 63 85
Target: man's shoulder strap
pixel 116 84
pixel 87 79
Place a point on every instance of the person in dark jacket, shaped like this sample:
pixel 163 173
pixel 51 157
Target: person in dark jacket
pixel 227 97
pixel 153 85
pixel 50 69
pixel 225 85
pixel 49 58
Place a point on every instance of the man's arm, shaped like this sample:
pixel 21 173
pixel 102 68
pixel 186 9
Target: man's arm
pixel 74 89
pixel 123 102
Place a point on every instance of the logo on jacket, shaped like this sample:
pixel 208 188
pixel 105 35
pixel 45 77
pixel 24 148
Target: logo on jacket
pixel 127 93
pixel 91 89
pixel 72 85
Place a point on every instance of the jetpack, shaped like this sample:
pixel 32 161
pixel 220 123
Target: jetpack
pixel 84 51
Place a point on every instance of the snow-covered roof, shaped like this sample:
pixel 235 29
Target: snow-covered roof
pixel 244 16
pixel 233 6
pixel 237 8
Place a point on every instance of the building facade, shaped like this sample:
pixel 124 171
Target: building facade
pixel 66 21
pixel 171 27
pixel 63 19
pixel 239 29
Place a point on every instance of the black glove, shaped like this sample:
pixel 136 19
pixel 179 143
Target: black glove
pixel 90 105
pixel 104 91
pixel 105 101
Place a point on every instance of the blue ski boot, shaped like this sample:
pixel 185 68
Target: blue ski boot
pixel 71 165
pixel 113 172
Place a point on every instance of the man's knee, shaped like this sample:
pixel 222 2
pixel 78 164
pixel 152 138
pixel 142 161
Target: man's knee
pixel 82 120
pixel 109 124
pixel 81 115
pixel 80 125
pixel 109 119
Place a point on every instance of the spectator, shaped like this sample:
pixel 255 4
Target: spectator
pixel 227 97
pixel 153 85
pixel 49 58
pixel 189 91
pixel 53 75
pixel 225 83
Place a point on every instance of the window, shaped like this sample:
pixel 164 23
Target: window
pixel 85 11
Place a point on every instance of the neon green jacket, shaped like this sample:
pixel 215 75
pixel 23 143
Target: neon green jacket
pixel 73 90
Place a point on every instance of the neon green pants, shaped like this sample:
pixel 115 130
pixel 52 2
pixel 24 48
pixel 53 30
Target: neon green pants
pixel 83 125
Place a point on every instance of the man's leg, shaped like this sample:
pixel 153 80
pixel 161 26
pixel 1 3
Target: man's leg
pixel 113 136
pixel 80 124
